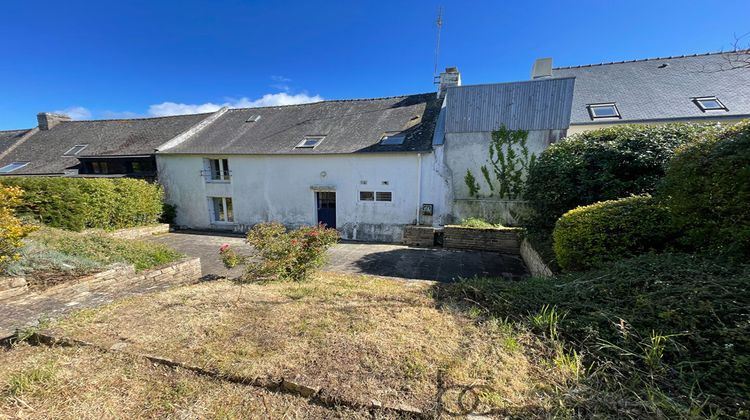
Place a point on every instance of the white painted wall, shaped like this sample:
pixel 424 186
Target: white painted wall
pixel 280 188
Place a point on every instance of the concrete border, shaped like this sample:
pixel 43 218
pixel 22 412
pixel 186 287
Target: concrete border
pixel 533 261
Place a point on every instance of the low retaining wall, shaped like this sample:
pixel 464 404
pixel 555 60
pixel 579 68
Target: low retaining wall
pixel 419 236
pixel 137 232
pixel 502 240
pixel 533 261
pixel 12 286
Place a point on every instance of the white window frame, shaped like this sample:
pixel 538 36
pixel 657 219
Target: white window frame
pixel 374 196
pixel 699 102
pixel 17 165
pixel 225 174
pixel 592 111
pixel 301 145
pixel 225 208
pixel 80 148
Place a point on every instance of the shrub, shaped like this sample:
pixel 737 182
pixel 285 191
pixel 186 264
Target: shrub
pixel 12 230
pixel 80 203
pixel 476 222
pixel 602 165
pixel 282 254
pixel 708 189
pixel 591 235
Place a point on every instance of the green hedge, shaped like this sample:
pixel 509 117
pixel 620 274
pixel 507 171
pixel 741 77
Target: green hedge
pixel 589 236
pixel 708 188
pixel 602 165
pixel 81 203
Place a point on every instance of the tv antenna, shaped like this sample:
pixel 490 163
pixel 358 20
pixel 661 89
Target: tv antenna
pixel 439 23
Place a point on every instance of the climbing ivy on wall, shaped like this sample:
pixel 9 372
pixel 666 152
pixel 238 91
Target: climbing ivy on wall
pixel 508 163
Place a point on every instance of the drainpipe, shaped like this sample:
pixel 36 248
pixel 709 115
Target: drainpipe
pixel 419 186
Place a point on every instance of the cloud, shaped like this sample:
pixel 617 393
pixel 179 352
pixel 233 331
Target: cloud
pixel 119 115
pixel 281 83
pixel 270 99
pixel 75 112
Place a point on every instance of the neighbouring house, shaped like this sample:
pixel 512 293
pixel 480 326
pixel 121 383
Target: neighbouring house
pixel 109 148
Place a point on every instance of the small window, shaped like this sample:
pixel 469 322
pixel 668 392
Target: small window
pixel 12 167
pixel 310 142
pixel 253 118
pixel 219 170
pixel 73 151
pixel 100 167
pixel 709 103
pixel 383 196
pixel 222 209
pixel 392 140
pixel 366 196
pixel 603 111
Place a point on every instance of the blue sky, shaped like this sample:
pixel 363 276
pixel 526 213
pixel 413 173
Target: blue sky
pixel 147 58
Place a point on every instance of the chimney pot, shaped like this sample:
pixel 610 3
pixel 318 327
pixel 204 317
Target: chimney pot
pixel 449 78
pixel 542 68
pixel 47 120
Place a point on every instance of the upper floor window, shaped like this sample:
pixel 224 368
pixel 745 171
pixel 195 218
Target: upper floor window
pixel 597 111
pixel 709 103
pixel 75 150
pixel 218 170
pixel 310 142
pixel 12 167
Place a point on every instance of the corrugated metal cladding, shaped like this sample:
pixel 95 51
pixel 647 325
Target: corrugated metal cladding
pixel 529 105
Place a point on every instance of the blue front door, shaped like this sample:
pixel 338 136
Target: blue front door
pixel 326 208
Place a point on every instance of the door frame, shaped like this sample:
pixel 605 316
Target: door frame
pixel 316 199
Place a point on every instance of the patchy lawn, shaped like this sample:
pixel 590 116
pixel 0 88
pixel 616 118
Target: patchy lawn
pixel 41 382
pixel 358 337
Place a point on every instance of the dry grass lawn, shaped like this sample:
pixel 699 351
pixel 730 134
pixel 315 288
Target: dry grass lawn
pixel 359 337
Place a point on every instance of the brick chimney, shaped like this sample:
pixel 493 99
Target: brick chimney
pixel 450 77
pixel 47 120
pixel 542 68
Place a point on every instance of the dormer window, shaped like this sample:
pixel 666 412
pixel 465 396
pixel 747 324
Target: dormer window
pixel 309 142
pixel 709 103
pixel 392 139
pixel 601 111
pixel 75 150
pixel 12 167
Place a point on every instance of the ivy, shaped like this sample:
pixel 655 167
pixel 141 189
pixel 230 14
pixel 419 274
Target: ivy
pixel 509 161
pixel 471 183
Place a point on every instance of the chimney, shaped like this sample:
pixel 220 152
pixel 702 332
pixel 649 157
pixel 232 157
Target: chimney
pixel 450 77
pixel 47 120
pixel 542 68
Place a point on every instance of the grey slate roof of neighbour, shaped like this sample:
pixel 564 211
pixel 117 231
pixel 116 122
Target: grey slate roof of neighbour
pixel 9 137
pixel 660 88
pixel 110 138
pixel 349 126
pixel 527 105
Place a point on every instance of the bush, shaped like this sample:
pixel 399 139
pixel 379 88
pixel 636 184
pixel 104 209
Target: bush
pixel 697 303
pixel 80 203
pixel 591 235
pixel 602 165
pixel 282 254
pixel 12 230
pixel 708 189
pixel 475 222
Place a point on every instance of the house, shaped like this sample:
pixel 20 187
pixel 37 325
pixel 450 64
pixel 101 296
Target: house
pixel 61 147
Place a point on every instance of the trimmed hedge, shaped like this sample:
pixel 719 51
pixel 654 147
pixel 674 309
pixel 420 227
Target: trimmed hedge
pixel 589 236
pixel 602 165
pixel 708 189
pixel 81 203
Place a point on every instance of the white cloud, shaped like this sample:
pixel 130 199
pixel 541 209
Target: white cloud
pixel 75 112
pixel 270 99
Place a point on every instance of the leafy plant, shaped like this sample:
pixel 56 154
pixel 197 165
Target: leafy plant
pixel 471 184
pixel 12 230
pixel 476 222
pixel 509 161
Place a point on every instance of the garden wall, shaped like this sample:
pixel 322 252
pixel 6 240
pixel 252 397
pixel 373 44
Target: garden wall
pixel 533 261
pixel 138 232
pixel 502 240
pixel 419 235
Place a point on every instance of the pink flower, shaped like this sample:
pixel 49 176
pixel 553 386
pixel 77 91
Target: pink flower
pixel 224 248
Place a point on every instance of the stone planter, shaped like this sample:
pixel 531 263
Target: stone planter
pixel 506 240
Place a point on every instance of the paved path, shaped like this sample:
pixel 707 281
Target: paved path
pixel 377 259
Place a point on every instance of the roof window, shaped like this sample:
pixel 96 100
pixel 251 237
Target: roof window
pixel 253 118
pixel 12 167
pixel 75 150
pixel 310 142
pixel 597 111
pixel 709 103
pixel 392 139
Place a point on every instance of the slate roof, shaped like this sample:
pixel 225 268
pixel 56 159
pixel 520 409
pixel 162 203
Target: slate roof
pixel 44 150
pixel 660 88
pixel 349 126
pixel 10 137
pixel 529 105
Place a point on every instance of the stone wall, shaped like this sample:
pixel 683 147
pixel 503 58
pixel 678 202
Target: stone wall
pixel 12 286
pixel 419 236
pixel 502 240
pixel 533 261
pixel 137 232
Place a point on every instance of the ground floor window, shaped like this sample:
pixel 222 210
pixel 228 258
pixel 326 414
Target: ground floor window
pixel 222 209
pixel 375 196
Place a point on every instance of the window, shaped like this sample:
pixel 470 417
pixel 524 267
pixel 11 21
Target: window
pixel 253 118
pixel 310 142
pixel 709 103
pixel 218 170
pixel 222 209
pixel 375 196
pixel 603 111
pixel 392 139
pixel 12 167
pixel 73 151
pixel 100 167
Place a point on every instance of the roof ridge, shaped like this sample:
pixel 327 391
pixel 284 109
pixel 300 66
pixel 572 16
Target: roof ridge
pixel 671 57
pixel 138 118
pixel 334 100
pixel 15 129
pixel 514 82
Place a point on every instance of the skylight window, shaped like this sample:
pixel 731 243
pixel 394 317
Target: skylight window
pixel 393 139
pixel 12 167
pixel 310 142
pixel 73 151
pixel 253 118
pixel 603 111
pixel 709 103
